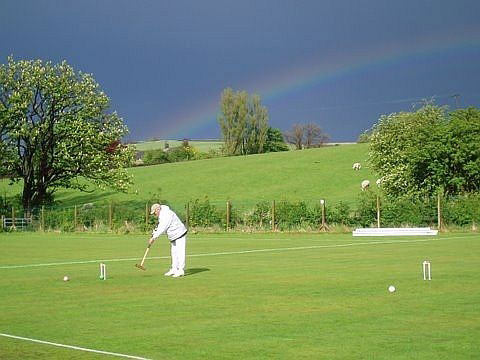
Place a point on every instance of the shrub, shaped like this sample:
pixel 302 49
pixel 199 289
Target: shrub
pixel 259 215
pixel 175 154
pixel 340 214
pixel 402 212
pixel 181 153
pixel 203 214
pixel 153 157
pixel 366 213
pixel 462 210
pixel 291 214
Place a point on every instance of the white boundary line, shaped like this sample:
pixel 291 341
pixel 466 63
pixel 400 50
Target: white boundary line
pixel 76 262
pixel 73 347
pixel 239 252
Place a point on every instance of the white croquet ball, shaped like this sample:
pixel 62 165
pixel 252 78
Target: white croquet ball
pixel 391 288
pixel 65 278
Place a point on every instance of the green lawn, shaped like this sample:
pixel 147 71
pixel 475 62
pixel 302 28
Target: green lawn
pixel 245 296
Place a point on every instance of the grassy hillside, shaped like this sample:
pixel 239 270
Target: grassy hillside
pixel 307 175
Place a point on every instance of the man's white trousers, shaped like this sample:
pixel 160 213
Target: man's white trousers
pixel 177 251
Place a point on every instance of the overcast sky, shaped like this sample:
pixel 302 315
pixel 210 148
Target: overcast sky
pixel 339 64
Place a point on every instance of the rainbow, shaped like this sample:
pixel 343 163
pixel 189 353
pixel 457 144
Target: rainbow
pixel 322 70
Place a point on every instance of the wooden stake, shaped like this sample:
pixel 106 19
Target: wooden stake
pixel 146 216
pixel 42 223
pixel 110 215
pixel 378 211
pixel 324 226
pixel 228 215
pixel 439 212
pixel 273 216
pixel 75 217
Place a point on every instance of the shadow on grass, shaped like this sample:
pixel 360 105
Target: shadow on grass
pixel 194 271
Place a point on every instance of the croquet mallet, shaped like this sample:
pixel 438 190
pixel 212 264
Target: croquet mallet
pixel 143 260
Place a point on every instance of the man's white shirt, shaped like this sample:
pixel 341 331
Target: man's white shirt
pixel 168 221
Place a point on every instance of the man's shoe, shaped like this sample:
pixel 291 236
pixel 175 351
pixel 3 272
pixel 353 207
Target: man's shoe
pixel 170 272
pixel 179 273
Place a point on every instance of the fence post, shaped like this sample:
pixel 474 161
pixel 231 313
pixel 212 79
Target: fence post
pixel 42 218
pixel 146 216
pixel 3 220
pixel 110 215
pixel 75 218
pixel 273 215
pixel 439 212
pixel 13 218
pixel 378 211
pixel 187 216
pixel 228 215
pixel 324 226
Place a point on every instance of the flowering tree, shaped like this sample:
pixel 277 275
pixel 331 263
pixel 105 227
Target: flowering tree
pixel 55 129
pixel 427 151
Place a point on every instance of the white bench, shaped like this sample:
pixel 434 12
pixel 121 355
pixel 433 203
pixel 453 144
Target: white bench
pixel 394 231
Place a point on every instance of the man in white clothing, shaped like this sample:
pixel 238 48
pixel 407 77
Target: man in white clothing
pixel 169 222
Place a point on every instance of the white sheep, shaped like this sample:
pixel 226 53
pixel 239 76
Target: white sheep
pixel 356 166
pixel 365 185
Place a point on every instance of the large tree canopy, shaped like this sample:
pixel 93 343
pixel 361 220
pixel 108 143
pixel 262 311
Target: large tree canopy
pixel 244 123
pixel 55 129
pixel 427 151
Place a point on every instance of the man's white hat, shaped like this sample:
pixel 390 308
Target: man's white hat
pixel 154 208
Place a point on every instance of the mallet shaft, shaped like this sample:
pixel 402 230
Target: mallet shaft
pixel 144 256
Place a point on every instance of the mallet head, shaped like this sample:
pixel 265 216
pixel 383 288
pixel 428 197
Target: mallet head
pixel 140 267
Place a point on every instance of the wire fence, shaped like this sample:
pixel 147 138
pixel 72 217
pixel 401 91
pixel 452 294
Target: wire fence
pixel 276 215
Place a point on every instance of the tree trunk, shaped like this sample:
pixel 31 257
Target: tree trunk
pixel 27 197
pixel 33 195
